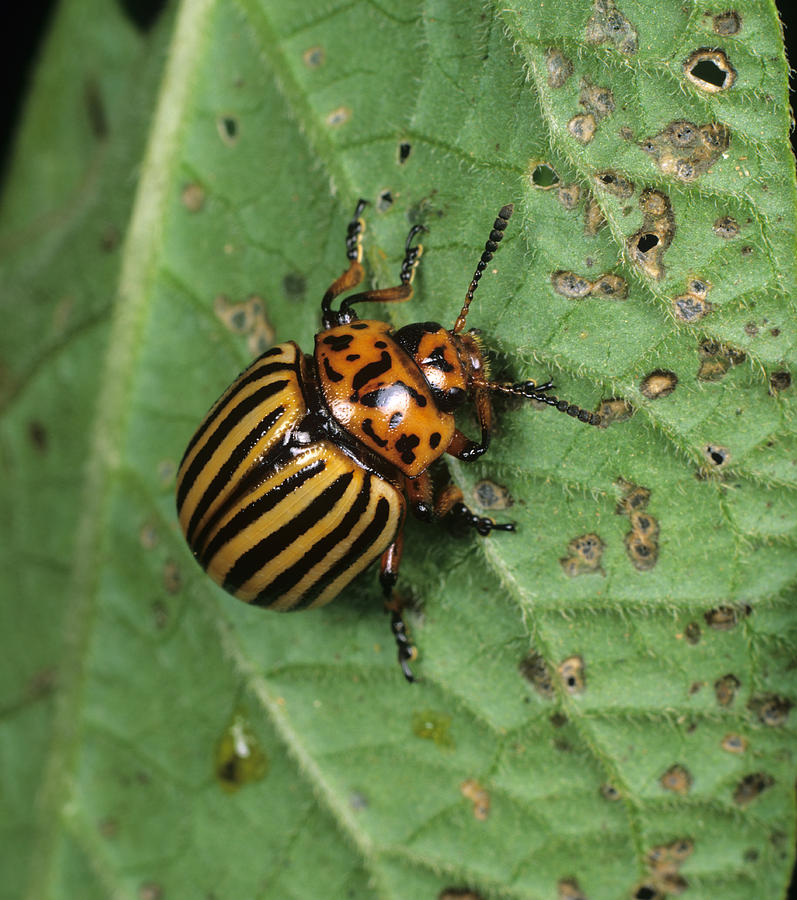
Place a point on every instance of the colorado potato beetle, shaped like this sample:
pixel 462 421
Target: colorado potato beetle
pixel 300 475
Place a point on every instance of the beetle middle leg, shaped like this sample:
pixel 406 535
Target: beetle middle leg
pixel 449 500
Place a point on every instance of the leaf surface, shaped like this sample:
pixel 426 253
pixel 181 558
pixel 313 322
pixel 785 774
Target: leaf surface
pixel 603 704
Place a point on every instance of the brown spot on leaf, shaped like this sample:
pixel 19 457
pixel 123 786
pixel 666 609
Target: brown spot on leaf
pixel 193 197
pixel 677 779
pixel 658 384
pixel 558 66
pixel 314 57
pixel 726 227
pixel 490 495
pixel 569 195
pixel 594 219
pixel 582 127
pixel 571 671
pixel 771 709
pixel 724 618
pixel 686 150
pixel 613 410
pixel 615 184
pixel 608 25
pixel 734 743
pixel 716 359
pixel 586 552
pixel 751 787
pixel 725 689
pixel 692 633
pixel 599 101
pixel 647 246
pixel 536 671
pixel 478 795
pixel 779 381
pixel 727 24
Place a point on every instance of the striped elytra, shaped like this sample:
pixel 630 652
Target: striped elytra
pixel 274 519
pixel 300 475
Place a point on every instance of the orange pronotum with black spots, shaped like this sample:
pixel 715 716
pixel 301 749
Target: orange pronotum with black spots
pixel 299 476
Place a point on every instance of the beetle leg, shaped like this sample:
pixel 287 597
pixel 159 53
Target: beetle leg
pixel 450 501
pixel 403 290
pixel 463 447
pixel 354 274
pixel 388 576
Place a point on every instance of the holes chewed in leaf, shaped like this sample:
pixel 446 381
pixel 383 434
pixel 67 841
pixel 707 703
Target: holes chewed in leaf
pixel 686 150
pixel 779 381
pixel 384 201
pixel 314 57
pixel 725 689
pixel 582 127
pixel 571 671
pixel 646 242
pixel 709 70
pixel 734 743
pixel 228 129
pixel 599 101
pixel 569 195
pixel 404 150
pixel 717 455
pixel 692 633
pixel 338 117
pixel 647 246
pixel 613 410
pixel 543 176
pixel 771 709
pixel 724 618
pixel 615 184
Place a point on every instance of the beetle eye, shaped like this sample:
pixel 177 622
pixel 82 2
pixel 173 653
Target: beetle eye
pixel 448 401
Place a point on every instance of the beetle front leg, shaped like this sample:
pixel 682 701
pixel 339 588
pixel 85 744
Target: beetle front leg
pixel 463 447
pixel 449 500
pixel 388 575
pixel 354 274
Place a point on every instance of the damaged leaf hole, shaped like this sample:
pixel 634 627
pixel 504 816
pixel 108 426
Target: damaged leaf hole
pixel 544 176
pixel 569 195
pixel 479 796
pixel 535 670
pixel 726 227
pixel 569 889
pixel 717 455
pixel 582 127
pixel 240 759
pixel 384 201
pixel 571 672
pixel 314 57
pixel 751 787
pixel 594 219
pixel 725 689
pixel 575 287
pixel 404 150
pixel 609 792
pixel 716 359
pixel 710 70
pixel 771 709
pixel 692 633
pixel 677 779
pixel 338 117
pixel 734 743
pixel 615 184
pixel 724 618
pixel 294 285
pixel 490 495
pixel 608 24
pixel 614 410
pixel 686 150
pixel 228 129
pixel 693 305
pixel 779 381
pixel 647 246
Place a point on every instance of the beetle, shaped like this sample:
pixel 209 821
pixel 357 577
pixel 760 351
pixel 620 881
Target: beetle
pixel 300 475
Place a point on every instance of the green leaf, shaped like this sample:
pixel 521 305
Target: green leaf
pixel 603 704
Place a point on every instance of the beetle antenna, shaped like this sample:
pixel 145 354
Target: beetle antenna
pixel 496 236
pixel 530 390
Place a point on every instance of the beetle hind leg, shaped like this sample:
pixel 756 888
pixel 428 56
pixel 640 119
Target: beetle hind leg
pixel 388 576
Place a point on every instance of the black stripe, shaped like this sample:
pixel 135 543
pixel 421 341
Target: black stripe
pixel 250 562
pixel 230 465
pixel 246 377
pixel 369 536
pixel 227 424
pixel 253 511
pixel 372 370
pixel 288 579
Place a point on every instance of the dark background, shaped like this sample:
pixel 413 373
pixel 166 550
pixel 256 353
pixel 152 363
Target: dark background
pixel 30 23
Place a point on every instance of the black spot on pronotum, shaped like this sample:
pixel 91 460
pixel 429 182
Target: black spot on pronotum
pixel 143 13
pixel 331 374
pixel 434 439
pixel 406 445
pixel 404 150
pixel 338 342
pixel 543 176
pixel 368 431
